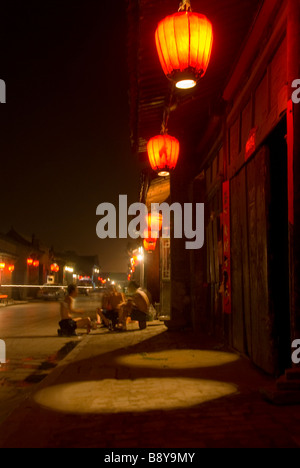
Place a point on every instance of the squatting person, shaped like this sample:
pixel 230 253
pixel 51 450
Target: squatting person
pixel 137 307
pixel 68 324
pixel 111 301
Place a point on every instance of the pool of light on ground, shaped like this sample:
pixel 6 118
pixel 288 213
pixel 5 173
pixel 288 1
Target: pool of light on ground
pixel 178 359
pixel 115 396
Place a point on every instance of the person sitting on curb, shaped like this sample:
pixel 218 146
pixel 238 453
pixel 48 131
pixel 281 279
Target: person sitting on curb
pixel 136 307
pixel 68 324
pixel 110 303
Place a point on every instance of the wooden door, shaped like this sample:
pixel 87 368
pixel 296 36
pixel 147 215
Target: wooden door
pixel 262 321
pixel 252 321
pixel 240 278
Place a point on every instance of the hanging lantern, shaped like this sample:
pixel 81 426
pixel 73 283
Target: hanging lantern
pixel 11 268
pixel 184 44
pixel 54 268
pixel 154 223
pixel 36 264
pixel 2 266
pixel 151 235
pixel 29 261
pixel 163 152
pixel 150 245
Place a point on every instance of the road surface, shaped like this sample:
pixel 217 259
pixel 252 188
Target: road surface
pixel 33 348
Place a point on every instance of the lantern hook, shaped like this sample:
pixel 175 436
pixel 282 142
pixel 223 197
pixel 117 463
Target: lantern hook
pixel 185 5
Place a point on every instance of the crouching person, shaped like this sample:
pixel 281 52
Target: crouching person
pixel 136 307
pixel 68 324
pixel 110 305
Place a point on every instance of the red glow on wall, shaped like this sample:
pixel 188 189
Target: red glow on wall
pixel 290 142
pixel 251 144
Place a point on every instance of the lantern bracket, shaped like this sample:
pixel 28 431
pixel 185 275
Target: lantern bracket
pixel 185 5
pixel 164 126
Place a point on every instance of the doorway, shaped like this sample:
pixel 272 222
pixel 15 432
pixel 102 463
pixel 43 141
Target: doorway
pixel 260 323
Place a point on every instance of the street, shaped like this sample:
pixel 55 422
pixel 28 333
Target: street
pixel 33 348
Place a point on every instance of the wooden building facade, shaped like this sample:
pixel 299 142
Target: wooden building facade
pixel 240 156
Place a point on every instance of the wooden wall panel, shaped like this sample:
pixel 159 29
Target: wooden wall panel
pixel 234 141
pixel 246 125
pixel 216 251
pixel 278 76
pixel 252 320
pixel 238 323
pixel 261 104
pixel 245 256
pixel 241 302
pixel 262 326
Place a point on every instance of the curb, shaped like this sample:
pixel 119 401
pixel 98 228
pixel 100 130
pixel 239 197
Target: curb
pixel 25 407
pixel 58 370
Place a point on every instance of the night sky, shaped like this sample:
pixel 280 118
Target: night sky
pixel 64 145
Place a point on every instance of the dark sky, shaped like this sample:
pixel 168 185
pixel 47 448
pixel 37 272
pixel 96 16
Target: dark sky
pixel 64 145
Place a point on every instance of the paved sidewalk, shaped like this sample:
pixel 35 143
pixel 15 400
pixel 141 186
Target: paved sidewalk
pixel 151 389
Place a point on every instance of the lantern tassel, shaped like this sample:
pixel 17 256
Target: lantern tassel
pixel 185 5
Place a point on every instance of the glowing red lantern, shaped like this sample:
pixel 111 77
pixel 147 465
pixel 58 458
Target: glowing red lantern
pixel 2 266
pixel 54 268
pixel 150 245
pixel 29 261
pixel 154 222
pixel 151 234
pixel 11 268
pixel 163 152
pixel 184 44
pixel 36 263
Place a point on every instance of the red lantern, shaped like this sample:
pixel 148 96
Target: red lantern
pixel 150 245
pixel 36 263
pixel 54 268
pixel 2 266
pixel 155 221
pixel 152 233
pixel 163 152
pixel 29 261
pixel 184 44
pixel 11 268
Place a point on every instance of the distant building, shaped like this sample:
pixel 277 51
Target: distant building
pixel 27 262
pixel 24 264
